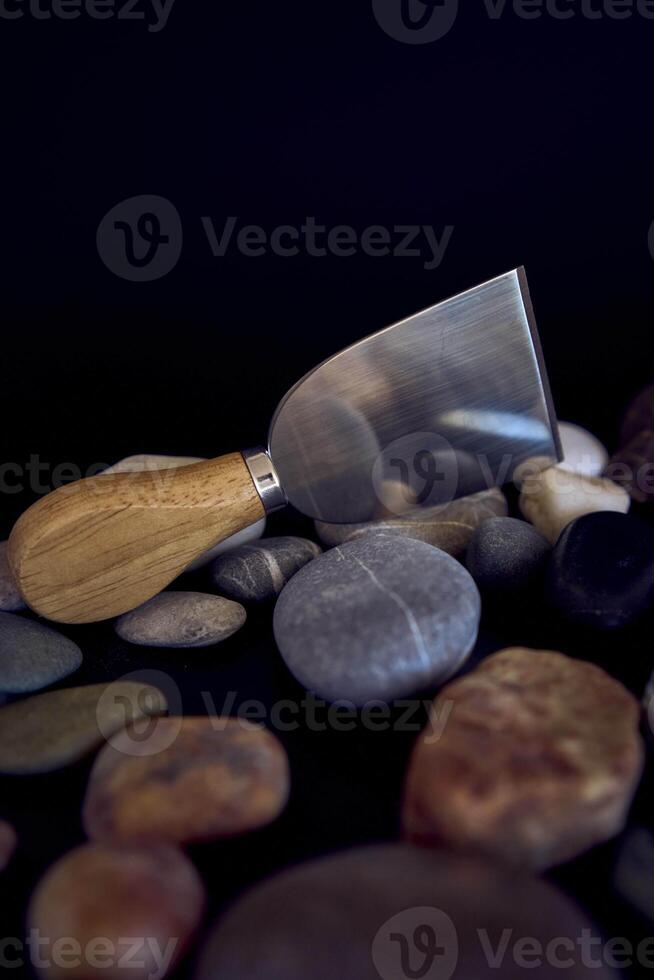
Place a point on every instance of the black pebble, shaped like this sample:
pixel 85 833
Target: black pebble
pixel 602 570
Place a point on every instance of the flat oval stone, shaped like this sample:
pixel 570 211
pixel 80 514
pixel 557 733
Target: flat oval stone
pixel 538 761
pixel 639 416
pixel 602 570
pixel 583 452
pixel 377 618
pixel 181 619
pixel 53 730
pixel 116 911
pixel 257 572
pixel 507 555
pixel 152 461
pixel 10 598
pixel 555 497
pixel 633 467
pixel 33 656
pixel 447 526
pixel 8 842
pixel 392 912
pixel 192 779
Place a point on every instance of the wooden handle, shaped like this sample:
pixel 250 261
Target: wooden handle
pixel 99 547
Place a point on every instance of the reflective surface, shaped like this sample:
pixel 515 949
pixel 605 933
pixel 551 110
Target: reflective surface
pixel 442 404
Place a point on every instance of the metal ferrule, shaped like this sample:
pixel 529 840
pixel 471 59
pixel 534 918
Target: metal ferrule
pixel 265 479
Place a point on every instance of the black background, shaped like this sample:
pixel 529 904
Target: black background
pixel 531 137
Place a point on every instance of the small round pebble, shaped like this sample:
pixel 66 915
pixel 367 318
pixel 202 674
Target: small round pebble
pixel 193 779
pixel 393 912
pixel 32 656
pixel 583 452
pixel 181 619
pixel 107 907
pixel 257 572
pixel 10 598
pixel 8 842
pixel 602 570
pixel 538 761
pixel 52 730
pixel 447 526
pixel 377 618
pixel 507 555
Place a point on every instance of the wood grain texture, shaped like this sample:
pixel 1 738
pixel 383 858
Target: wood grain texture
pixel 99 547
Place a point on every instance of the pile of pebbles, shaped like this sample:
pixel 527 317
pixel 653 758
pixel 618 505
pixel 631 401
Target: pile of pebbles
pixel 529 758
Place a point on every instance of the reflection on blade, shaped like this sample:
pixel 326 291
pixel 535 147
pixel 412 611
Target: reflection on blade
pixel 502 424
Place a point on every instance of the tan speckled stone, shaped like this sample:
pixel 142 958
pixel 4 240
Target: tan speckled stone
pixel 538 760
pixel 181 620
pixel 213 777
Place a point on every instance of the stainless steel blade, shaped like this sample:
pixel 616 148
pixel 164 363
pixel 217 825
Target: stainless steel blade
pixel 445 403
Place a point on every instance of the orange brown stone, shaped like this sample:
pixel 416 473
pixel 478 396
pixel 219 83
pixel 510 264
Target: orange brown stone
pixel 538 761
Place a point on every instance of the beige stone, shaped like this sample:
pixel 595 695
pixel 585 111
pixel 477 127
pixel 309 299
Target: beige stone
pixel 555 497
